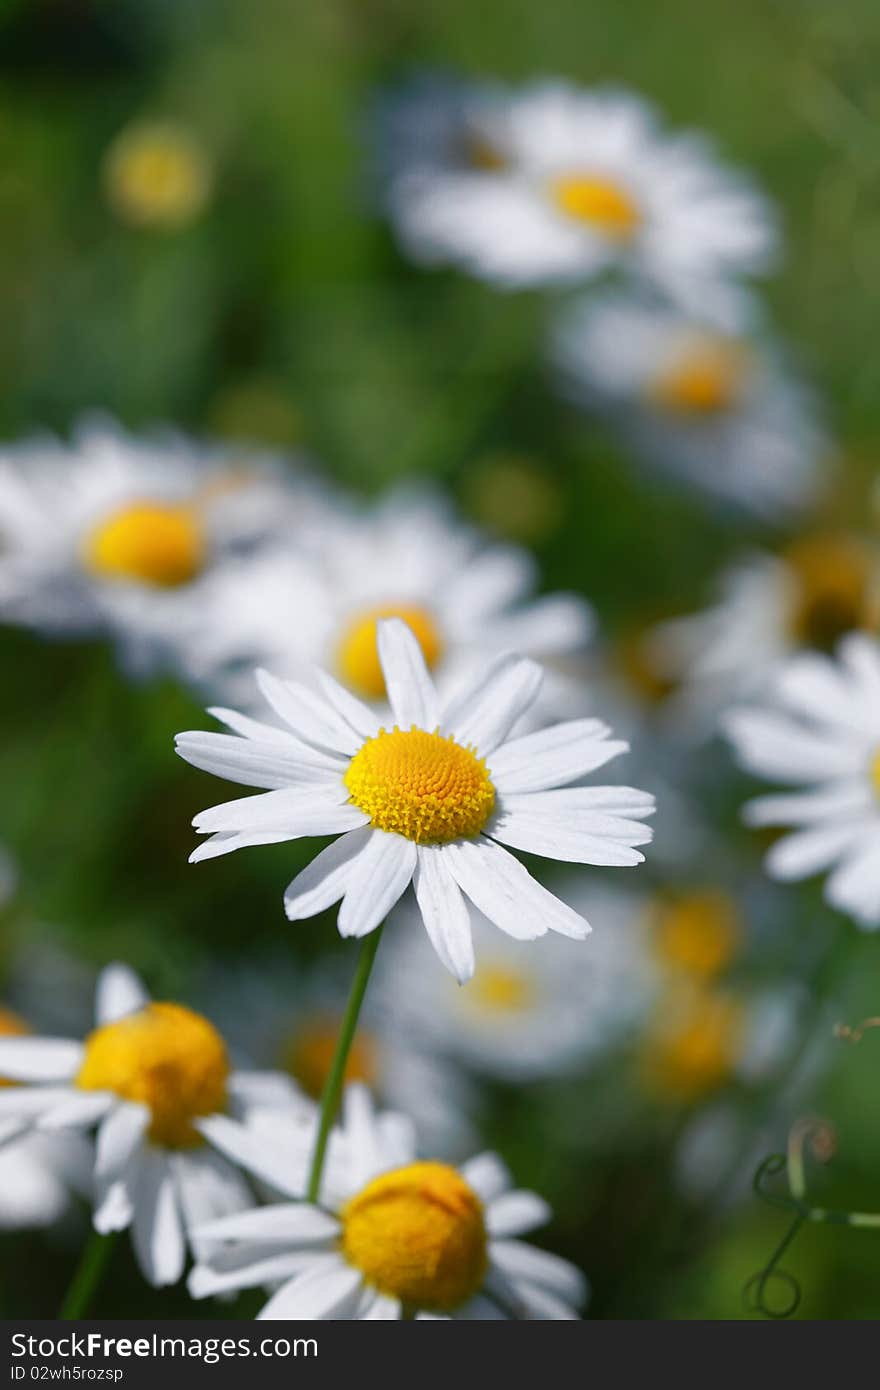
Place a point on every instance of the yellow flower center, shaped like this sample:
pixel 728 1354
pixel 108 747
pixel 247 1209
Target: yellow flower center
pixel 155 174
pixel 599 202
pixel 310 1052
pixel 699 1052
pixel 500 989
pixel 11 1026
pixel 698 932
pixel 418 1234
pixel 357 655
pixel 704 381
pixel 154 543
pixel 423 786
pixel 167 1058
pixel 836 583
pixel 875 772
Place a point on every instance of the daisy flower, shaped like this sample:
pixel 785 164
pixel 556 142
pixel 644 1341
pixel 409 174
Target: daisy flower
pixel 394 1236
pixel 38 1172
pixel 156 174
pixel 531 1011
pixel 698 396
pixel 407 557
pixel 274 1013
pixel 126 535
pixel 554 183
pixel 819 729
pixel 433 800
pixel 148 1077
pixel 814 592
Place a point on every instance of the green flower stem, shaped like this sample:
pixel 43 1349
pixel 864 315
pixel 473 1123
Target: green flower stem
pixel 87 1275
pixel 335 1077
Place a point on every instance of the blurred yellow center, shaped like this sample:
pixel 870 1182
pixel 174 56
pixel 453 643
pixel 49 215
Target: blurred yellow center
pixel 418 1234
pixel 875 772
pixel 599 202
pixel 698 933
pixel 151 542
pixel 11 1026
pixel 167 1058
pixel 421 785
pixel 698 1054
pixel 357 655
pixel 836 589
pixel 703 382
pixel 310 1053
pixel 500 989
pixel 155 174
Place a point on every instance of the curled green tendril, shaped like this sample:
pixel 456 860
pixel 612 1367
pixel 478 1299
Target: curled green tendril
pixel 819 1137
pixel 757 1295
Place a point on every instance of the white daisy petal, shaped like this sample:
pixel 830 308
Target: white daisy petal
pixel 808 851
pixel 304 824
pixel 325 1291
pixel 378 878
pixel 253 1151
pixel 227 842
pixel 484 713
pixel 854 886
pixel 80 1111
pixel 514 1213
pixel 40 1059
pixel 540 1304
pixel 353 711
pixel 368 1155
pixel 257 764
pixel 852 799
pixel 258 1271
pixel 28 1102
pixel 308 716
pixel 157 1230
pixel 488 1176
pixel 119 992
pixel 323 882
pixel 505 892
pixel 554 756
pixel 444 912
pixel 774 746
pixel 378 1308
pixel 253 729
pixel 517 1260
pixel 602 842
pixel 480 1308
pixel 493 580
pixel 120 1135
pixel 208 1188
pixel 271 810
pixel 114 1204
pixel 410 689
pixel 285 1222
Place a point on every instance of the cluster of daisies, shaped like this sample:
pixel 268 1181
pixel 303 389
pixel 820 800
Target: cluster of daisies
pixel 391 680
pixel 553 186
